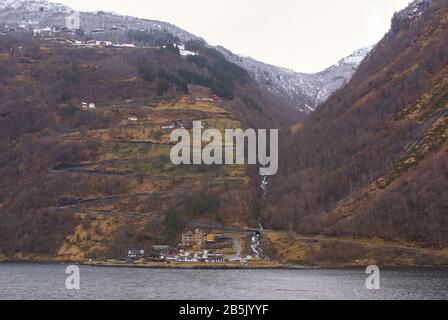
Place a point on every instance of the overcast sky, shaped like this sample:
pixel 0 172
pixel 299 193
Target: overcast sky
pixel 302 35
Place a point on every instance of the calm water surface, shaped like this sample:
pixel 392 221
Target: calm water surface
pixel 47 281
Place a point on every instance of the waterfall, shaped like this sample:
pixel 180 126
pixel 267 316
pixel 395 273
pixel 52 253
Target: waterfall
pixel 255 241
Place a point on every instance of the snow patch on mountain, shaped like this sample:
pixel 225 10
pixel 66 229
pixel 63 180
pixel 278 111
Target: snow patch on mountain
pixel 415 9
pixel 33 5
pixel 302 90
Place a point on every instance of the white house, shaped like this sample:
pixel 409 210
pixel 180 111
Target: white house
pixel 45 31
pixel 133 118
pixel 84 105
pixel 184 52
pixel 92 105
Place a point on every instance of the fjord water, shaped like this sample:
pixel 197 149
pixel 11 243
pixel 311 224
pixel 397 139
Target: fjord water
pixel 47 281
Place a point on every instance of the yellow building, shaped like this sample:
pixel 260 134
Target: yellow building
pixel 211 237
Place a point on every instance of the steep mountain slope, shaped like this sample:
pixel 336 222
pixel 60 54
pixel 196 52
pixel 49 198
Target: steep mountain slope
pixel 302 91
pixel 82 182
pixel 373 160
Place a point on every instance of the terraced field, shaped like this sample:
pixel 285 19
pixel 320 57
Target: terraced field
pixel 136 155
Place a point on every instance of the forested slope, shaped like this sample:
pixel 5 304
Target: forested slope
pixel 373 160
pixel 78 183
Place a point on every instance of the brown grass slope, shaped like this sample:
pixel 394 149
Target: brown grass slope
pixel 78 183
pixel 373 160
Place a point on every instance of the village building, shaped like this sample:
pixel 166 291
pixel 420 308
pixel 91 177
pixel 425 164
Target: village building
pixel 168 127
pixel 163 251
pixel 156 258
pixel 92 43
pixel 97 43
pixel 160 248
pixel 198 90
pixel 133 118
pixel 45 32
pixel 187 239
pixel 211 238
pixel 215 257
pixel 184 52
pixel 211 98
pixel 197 238
pixel 135 254
pixel 181 124
pixel 183 256
pixel 222 238
pixel 98 31
pixel 218 242
pixel 205 256
pixel 215 98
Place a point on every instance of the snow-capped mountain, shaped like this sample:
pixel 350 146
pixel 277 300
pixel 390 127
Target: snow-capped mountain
pixel 33 5
pixel 302 90
pixel 29 12
pixel 43 13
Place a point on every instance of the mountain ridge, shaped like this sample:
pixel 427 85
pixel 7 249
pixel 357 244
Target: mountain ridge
pixel 301 91
pixel 362 179
pixel 372 161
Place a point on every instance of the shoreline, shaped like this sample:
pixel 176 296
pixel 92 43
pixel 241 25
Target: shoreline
pixel 198 266
pixel 192 266
pixel 174 266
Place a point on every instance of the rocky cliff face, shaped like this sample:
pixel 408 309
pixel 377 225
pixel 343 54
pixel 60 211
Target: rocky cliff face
pixel 301 90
